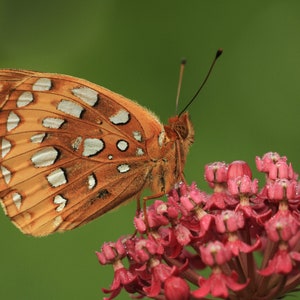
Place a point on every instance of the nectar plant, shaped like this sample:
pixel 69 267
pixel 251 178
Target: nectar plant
pixel 238 242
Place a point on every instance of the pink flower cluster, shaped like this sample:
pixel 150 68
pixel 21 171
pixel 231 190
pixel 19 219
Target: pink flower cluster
pixel 245 241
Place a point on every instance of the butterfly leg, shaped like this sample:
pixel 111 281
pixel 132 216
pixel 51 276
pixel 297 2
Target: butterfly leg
pixel 179 165
pixel 145 199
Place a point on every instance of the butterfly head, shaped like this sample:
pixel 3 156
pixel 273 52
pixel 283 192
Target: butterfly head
pixel 180 127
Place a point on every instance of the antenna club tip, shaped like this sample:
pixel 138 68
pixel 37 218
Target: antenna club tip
pixel 183 61
pixel 219 52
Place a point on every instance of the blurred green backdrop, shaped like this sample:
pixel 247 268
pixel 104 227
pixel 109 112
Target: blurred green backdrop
pixel 249 106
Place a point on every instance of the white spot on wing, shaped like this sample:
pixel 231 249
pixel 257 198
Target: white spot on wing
pixel 110 157
pixel 44 157
pixel 139 152
pixel 91 181
pixel 57 221
pixel 12 121
pixel 161 138
pixel 121 117
pixel 70 108
pixel 38 138
pixel 24 99
pixel 17 199
pixel 6 174
pixel 76 144
pixel 5 147
pixel 57 178
pixel 137 136
pixel 86 94
pixel 122 145
pixel 61 201
pixel 92 146
pixel 123 168
pixel 42 84
pixel 54 123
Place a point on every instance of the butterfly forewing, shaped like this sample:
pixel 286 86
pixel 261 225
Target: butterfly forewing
pixel 71 150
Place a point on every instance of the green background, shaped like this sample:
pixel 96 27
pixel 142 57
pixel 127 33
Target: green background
pixel 250 105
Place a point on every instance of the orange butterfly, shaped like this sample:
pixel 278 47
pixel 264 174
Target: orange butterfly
pixel 71 150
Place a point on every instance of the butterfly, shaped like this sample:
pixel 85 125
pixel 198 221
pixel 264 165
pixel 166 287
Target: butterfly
pixel 71 150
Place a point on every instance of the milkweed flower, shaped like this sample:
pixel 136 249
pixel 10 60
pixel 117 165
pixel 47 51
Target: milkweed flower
pixel 238 242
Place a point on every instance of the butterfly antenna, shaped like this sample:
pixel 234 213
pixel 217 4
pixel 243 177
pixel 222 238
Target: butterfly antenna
pixel 218 54
pixel 182 66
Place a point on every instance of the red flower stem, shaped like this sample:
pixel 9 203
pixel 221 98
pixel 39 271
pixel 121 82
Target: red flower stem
pixel 278 284
pixel 292 283
pixel 247 260
pixel 269 251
